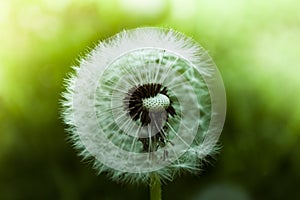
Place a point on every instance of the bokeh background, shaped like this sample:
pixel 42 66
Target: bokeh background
pixel 255 44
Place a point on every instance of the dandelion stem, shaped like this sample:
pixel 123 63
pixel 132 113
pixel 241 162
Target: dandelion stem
pixel 155 187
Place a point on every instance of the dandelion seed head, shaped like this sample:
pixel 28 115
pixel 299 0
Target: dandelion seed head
pixel 145 100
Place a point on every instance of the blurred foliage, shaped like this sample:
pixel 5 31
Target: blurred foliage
pixel 254 43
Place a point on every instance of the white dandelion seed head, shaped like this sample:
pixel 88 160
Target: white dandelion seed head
pixel 147 99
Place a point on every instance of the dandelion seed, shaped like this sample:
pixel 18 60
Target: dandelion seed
pixel 145 101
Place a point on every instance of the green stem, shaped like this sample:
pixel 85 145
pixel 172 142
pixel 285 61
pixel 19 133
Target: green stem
pixel 155 187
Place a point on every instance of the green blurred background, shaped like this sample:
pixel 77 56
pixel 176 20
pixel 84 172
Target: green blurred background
pixel 255 44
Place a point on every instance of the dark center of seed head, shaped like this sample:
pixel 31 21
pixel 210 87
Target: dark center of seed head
pixel 148 102
pixel 151 105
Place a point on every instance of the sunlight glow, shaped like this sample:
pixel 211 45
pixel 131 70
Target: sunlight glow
pixel 145 7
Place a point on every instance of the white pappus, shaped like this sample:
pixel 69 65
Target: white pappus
pixel 145 100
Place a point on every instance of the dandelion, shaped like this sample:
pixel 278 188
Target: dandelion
pixel 144 105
